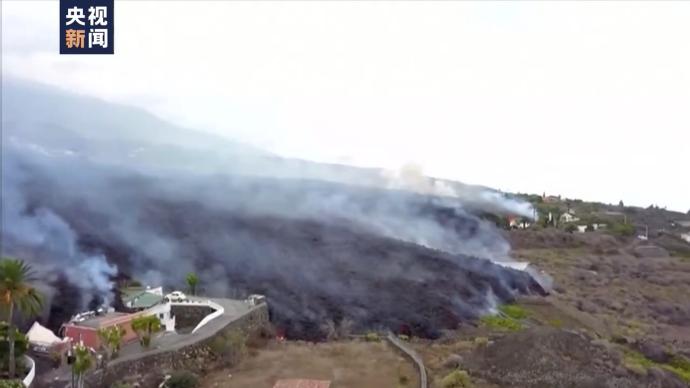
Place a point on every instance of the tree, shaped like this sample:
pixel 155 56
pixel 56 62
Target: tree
pixel 82 363
pixel 21 344
pixel 570 228
pixel 111 340
pixel 17 292
pixel 192 282
pixel 145 326
pixel 621 203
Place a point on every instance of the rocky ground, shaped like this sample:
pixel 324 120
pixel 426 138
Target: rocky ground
pixel 618 317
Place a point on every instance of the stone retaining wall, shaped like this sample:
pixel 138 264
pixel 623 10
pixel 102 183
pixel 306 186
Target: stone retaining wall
pixel 187 317
pixel 198 357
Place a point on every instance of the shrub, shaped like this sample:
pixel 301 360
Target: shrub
pixel 11 384
pixel 403 380
pixel 404 337
pixel 145 327
pixel 456 379
pixel 372 337
pixel 555 322
pixel 21 345
pixel 620 229
pixel 481 341
pixel 182 379
pixel 638 363
pixel 500 323
pixel 513 311
pixel 230 347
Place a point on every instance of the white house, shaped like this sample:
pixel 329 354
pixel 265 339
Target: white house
pixel 163 312
pixel 568 217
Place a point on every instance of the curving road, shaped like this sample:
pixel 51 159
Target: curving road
pixel 413 355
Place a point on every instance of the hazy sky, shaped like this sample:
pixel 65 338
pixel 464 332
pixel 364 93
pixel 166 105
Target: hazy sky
pixel 588 99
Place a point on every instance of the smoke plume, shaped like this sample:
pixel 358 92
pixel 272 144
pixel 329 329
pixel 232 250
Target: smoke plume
pixel 94 191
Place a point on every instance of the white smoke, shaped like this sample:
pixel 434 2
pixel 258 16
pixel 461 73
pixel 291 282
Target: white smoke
pixel 411 177
pixel 53 242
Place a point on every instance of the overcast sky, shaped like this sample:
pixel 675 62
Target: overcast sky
pixel 588 99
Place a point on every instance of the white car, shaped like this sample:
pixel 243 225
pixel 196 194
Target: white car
pixel 176 296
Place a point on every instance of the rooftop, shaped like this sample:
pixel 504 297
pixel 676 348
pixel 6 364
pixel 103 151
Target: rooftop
pixel 144 300
pixel 105 320
pixel 140 297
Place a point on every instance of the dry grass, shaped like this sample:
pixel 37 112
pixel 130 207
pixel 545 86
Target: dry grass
pixel 346 364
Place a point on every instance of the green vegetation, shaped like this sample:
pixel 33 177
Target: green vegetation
pixel 372 337
pixel 555 322
pixel 111 340
pixel 17 293
pixel 509 319
pixel 145 327
pixel 638 363
pixel 231 347
pixel 457 379
pixel 83 361
pixel 21 345
pixel 404 337
pixel 182 379
pixel 681 366
pixel 513 311
pixel 192 282
pixel 481 341
pixel 11 384
pixel 621 229
pixel 496 322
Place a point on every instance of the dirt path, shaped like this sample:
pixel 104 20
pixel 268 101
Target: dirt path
pixel 418 360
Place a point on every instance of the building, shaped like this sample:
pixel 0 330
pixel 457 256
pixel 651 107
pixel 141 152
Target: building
pixel 139 298
pixel 84 327
pixel 302 383
pixel 568 217
pixel 43 341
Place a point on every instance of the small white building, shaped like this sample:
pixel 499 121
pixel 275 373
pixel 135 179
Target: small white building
pixel 568 217
pixel 43 340
pixel 163 311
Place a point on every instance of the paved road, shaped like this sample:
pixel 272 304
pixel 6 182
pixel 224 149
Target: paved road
pixel 165 341
pixel 413 355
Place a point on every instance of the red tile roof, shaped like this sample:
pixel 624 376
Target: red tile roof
pixel 302 383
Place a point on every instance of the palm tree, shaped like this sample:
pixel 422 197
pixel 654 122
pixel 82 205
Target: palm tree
pixel 192 282
pixel 16 291
pixel 82 363
pixel 111 340
pixel 145 326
